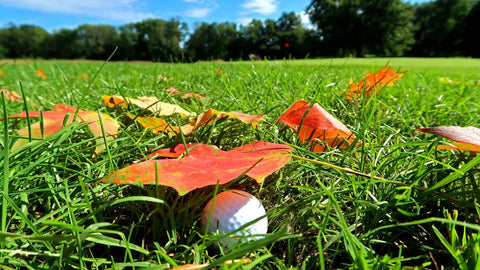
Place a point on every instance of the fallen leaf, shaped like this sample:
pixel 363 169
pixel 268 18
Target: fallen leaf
pixel 212 115
pixel 157 125
pixel 54 120
pixel 465 138
pixel 2 73
pixel 41 73
pixel 315 125
pixel 205 165
pixel 82 76
pixel 149 103
pixel 447 80
pixel 12 95
pixel 373 81
pixel 185 95
pixel 113 101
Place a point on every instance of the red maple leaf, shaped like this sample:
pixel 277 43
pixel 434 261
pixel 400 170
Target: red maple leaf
pixel 204 165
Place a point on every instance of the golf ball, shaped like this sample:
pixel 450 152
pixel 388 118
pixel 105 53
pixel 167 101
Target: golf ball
pixel 232 210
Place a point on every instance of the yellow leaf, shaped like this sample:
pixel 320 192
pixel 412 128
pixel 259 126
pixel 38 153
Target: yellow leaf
pixel 157 125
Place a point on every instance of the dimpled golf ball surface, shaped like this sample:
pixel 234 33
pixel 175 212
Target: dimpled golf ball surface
pixel 232 210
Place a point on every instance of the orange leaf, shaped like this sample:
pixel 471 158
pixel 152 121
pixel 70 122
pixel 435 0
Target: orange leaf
pixel 1 73
pixel 185 95
pixel 466 138
pixel 82 76
pixel 157 125
pixel 460 147
pixel 53 121
pixel 373 81
pixel 209 116
pixel 112 101
pixel 315 125
pixel 205 165
pixel 41 74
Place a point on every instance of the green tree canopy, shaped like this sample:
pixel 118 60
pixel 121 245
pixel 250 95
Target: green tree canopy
pixel 212 41
pixel 360 27
pixel 440 27
pixel 23 41
pixel 97 41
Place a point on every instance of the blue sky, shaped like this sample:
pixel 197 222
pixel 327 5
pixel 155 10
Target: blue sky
pixel 57 14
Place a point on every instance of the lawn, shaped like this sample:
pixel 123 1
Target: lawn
pixel 394 201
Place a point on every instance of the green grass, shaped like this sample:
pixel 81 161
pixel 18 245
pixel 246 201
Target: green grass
pixel 56 214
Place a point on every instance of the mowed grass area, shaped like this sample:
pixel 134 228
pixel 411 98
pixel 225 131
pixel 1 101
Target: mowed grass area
pixel 56 214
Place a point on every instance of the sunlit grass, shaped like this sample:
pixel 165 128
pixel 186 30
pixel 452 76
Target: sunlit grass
pixel 55 213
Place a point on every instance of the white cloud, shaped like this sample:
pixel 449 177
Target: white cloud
pixel 306 20
pixel 261 6
pixel 198 12
pixel 121 10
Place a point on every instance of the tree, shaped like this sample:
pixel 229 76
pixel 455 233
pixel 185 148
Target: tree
pixel 291 35
pixel 159 40
pixel 63 44
pixel 23 41
pixel 440 27
pixel 251 34
pixel 360 27
pixel 262 39
pixel 387 27
pixel 470 35
pixel 338 23
pixel 213 41
pixel 270 40
pixel 97 41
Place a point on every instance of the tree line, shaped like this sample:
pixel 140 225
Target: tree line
pixel 358 28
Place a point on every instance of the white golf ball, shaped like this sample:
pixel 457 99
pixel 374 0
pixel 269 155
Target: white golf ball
pixel 232 210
